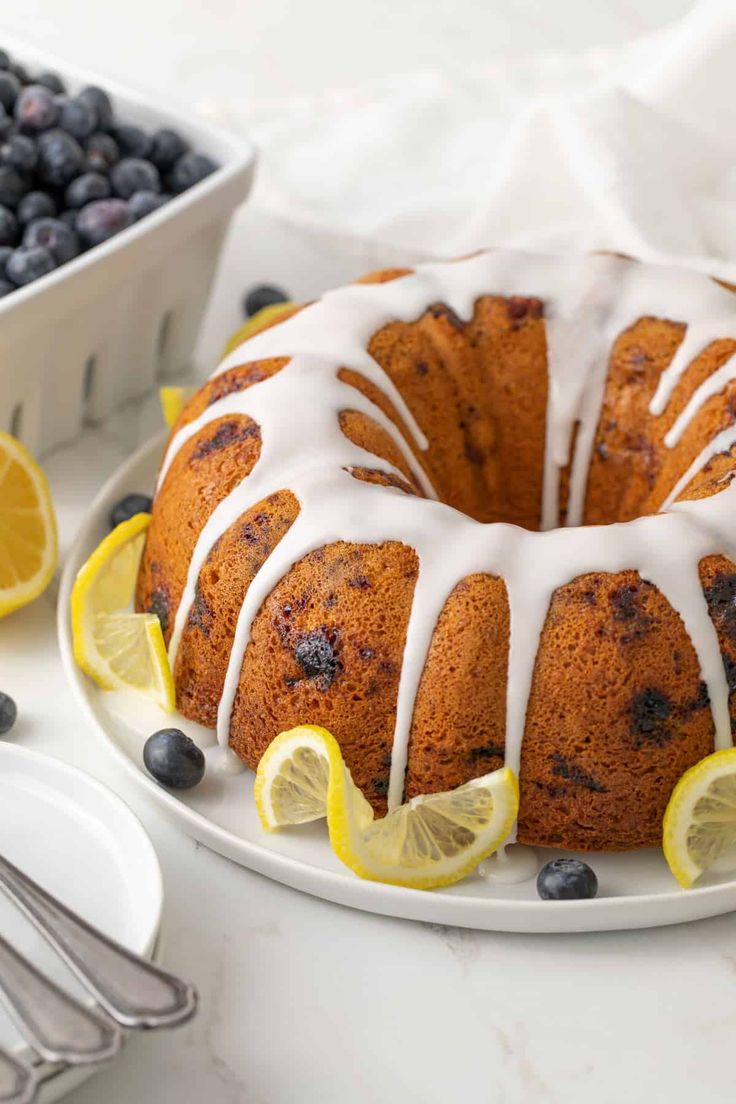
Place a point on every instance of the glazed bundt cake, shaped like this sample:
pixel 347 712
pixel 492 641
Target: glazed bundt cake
pixel 477 512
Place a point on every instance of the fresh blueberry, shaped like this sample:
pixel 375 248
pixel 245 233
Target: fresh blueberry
pixel 70 218
pixel 566 880
pixel 20 152
pixel 128 507
pixel 5 251
pixel 52 81
pixel 264 295
pixel 77 117
pixel 102 152
pixel 100 102
pixel 36 109
pixel 54 235
pixel 8 227
pixel 10 88
pixel 174 759
pixel 86 188
pixel 8 713
pixel 60 158
pixel 6 287
pixel 144 203
pixel 13 186
pixel 4 59
pixel 132 141
pixel 20 72
pixel 132 174
pixel 167 146
pixel 189 169
pixel 35 205
pixel 102 219
pixel 28 264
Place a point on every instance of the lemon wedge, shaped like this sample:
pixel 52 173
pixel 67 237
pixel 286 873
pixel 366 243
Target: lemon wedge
pixel 173 400
pixel 264 317
pixel 119 649
pixel 28 542
pixel 430 841
pixel 699 830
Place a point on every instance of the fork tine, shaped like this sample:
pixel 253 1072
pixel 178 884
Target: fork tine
pixel 57 1026
pixel 18 1082
pixel 131 990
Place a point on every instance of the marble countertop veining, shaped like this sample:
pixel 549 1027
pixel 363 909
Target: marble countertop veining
pixel 304 1002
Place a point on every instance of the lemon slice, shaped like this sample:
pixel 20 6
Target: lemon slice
pixel 699 830
pixel 430 841
pixel 119 649
pixel 173 400
pixel 264 317
pixel 28 542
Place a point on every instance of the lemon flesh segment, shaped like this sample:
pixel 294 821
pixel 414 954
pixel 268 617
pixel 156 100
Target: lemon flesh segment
pixel 430 841
pixel 119 649
pixel 28 540
pixel 699 830
pixel 173 400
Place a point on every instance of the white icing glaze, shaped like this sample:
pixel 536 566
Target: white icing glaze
pixel 588 303
pixel 511 864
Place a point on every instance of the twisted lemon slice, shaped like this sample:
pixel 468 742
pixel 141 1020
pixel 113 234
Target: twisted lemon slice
pixel 430 841
pixel 699 830
pixel 28 544
pixel 118 649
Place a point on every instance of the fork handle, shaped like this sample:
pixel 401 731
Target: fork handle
pixel 134 992
pixel 18 1082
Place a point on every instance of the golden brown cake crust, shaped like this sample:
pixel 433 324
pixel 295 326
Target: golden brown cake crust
pixel 617 709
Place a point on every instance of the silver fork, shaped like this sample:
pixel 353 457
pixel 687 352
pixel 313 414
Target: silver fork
pixel 132 991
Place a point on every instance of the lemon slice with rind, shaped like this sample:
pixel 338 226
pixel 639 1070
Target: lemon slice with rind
pixel 699 830
pixel 120 650
pixel 430 841
pixel 266 316
pixel 28 542
pixel 173 400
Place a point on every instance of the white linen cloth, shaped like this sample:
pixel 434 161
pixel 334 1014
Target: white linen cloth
pixel 630 148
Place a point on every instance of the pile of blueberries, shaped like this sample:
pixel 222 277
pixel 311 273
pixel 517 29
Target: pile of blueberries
pixel 72 176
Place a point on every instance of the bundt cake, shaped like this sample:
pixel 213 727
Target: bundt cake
pixel 476 512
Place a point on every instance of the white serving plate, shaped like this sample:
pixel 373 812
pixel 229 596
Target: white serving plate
pixel 81 842
pixel 105 327
pixel 636 889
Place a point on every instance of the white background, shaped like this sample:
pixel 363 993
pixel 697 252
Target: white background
pixel 303 1002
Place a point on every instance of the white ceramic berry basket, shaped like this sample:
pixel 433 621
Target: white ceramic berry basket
pixel 107 326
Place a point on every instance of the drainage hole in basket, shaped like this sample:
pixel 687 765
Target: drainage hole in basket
pixel 16 421
pixel 88 385
pixel 162 343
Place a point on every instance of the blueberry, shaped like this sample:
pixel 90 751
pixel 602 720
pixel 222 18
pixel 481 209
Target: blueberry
pixel 173 759
pixel 20 152
pixel 69 217
pixel 60 240
pixel 167 146
pixel 28 264
pixel 102 219
pixel 10 88
pixel 132 141
pixel 264 295
pixel 566 880
pixel 8 713
pixel 20 72
pixel 36 109
pixel 5 251
pixel 13 186
pixel 35 205
pixel 8 227
pixel 86 188
pixel 132 174
pixel 102 152
pixel 189 169
pixel 52 81
pixel 6 287
pixel 60 158
pixel 128 507
pixel 4 59
pixel 144 203
pixel 99 101
pixel 77 118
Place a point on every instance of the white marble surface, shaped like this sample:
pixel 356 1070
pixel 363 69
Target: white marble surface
pixel 304 1002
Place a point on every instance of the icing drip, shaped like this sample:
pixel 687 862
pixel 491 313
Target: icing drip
pixel 588 302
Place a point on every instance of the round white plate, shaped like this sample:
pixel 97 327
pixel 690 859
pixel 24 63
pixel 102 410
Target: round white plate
pixel 636 889
pixel 78 840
